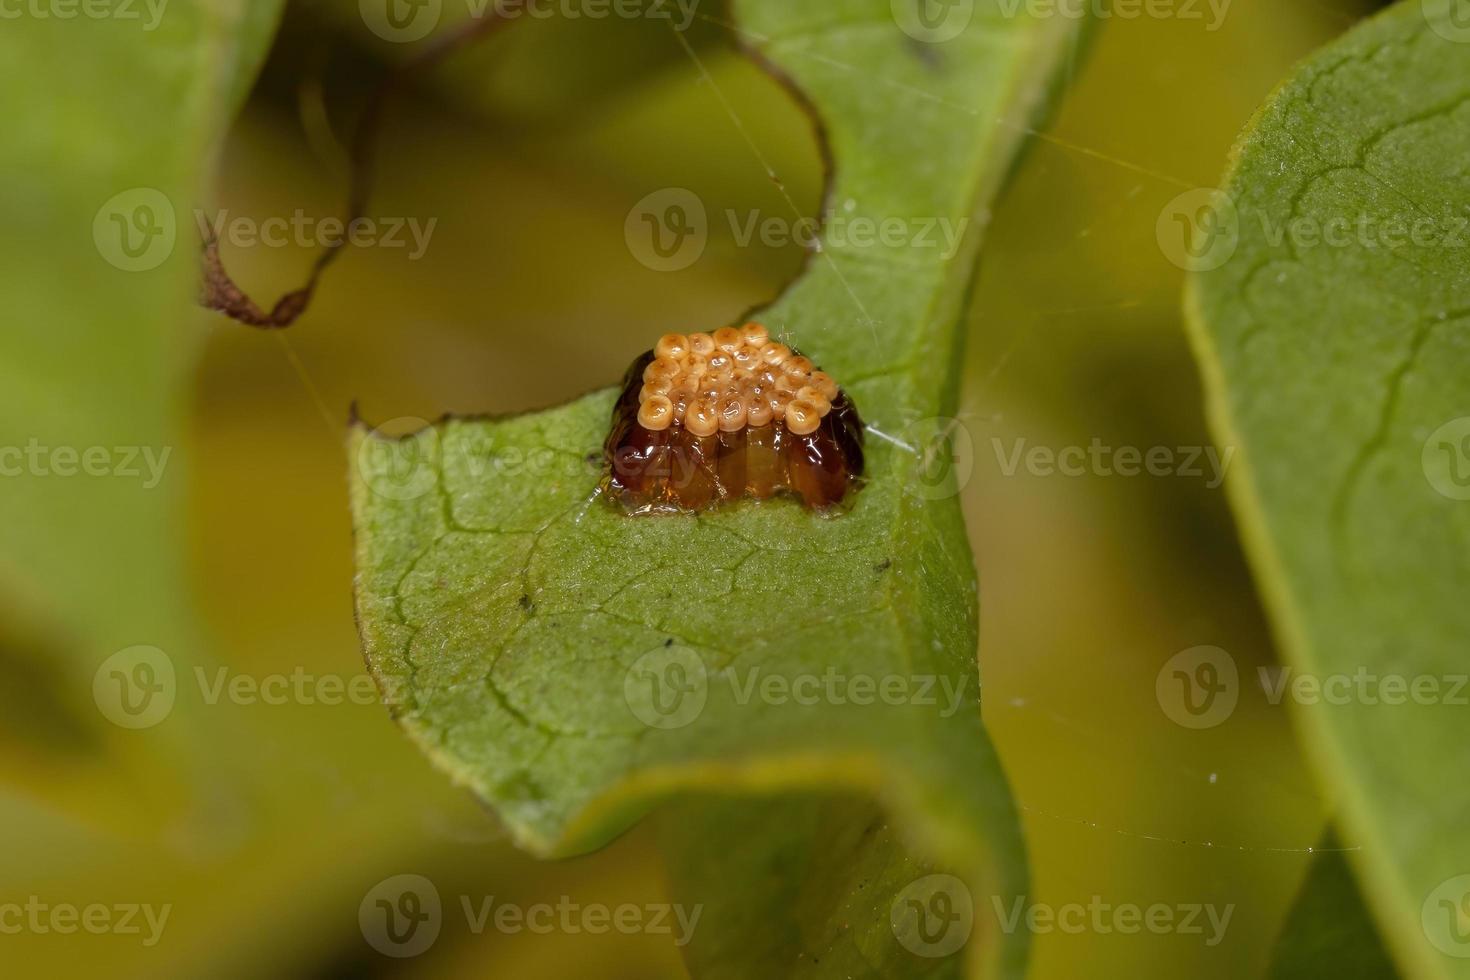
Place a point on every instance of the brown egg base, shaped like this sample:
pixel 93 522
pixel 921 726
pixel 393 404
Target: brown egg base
pixel 673 470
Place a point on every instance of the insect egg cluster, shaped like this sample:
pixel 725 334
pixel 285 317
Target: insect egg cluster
pixel 705 418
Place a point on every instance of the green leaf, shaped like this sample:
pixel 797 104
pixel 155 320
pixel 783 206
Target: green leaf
pixel 1334 335
pixel 514 623
pixel 1329 932
pixel 111 114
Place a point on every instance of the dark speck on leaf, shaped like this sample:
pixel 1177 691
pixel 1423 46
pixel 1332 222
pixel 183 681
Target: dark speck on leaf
pixel 927 53
pixel 883 566
pixel 526 603
pixel 669 642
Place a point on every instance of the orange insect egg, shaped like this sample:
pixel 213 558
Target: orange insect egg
pixel 733 414
pixel 658 386
pixel 662 367
pixel 799 366
pixel 802 417
pixel 823 382
pixel 758 412
pixel 674 345
pixel 814 397
pixel 708 419
pixel 728 339
pixel 657 413
pixel 755 335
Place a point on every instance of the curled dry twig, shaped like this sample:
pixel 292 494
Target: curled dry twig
pixel 219 292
